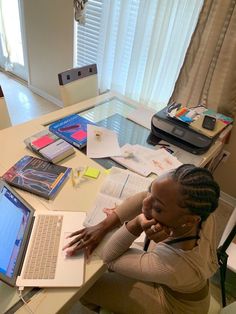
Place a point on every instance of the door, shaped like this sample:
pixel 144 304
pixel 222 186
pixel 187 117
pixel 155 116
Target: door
pixel 11 44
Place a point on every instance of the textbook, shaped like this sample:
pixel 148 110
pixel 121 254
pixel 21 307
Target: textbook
pixel 49 146
pixel 37 176
pixel 118 186
pixel 72 129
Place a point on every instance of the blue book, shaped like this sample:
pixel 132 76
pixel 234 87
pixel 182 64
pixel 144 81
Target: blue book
pixel 72 129
pixel 37 176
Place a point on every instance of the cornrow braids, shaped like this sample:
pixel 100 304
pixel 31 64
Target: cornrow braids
pixel 200 191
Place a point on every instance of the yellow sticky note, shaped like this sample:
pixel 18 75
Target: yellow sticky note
pixel 91 172
pixel 107 171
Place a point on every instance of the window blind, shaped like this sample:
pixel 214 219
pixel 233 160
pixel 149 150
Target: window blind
pixel 138 46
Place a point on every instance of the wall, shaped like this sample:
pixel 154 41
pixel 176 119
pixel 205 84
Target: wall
pixel 226 172
pixel 49 39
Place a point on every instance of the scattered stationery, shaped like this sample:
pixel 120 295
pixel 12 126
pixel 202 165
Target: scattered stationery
pixel 80 174
pixel 49 146
pixel 142 116
pixel 72 129
pixel 118 185
pixel 37 176
pixel 102 142
pixel 145 160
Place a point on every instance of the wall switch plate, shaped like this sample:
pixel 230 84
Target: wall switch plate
pixel 225 155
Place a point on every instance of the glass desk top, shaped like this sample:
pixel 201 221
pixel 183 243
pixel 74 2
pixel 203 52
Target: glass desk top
pixel 112 115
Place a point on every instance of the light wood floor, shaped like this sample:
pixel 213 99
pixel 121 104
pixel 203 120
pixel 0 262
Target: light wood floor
pixel 23 105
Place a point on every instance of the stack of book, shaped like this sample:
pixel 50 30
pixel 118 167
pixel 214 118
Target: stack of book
pixel 49 146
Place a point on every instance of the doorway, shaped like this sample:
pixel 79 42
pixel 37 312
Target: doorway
pixel 12 57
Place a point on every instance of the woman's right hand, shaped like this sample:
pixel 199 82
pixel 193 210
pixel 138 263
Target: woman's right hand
pixel 88 238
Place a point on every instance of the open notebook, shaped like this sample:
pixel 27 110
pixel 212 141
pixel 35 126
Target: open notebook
pixel 31 244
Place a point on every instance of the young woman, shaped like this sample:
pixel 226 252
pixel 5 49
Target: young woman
pixel 172 275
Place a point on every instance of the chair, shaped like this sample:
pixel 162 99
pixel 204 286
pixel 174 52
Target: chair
pixel 227 253
pixel 5 121
pixel 229 309
pixel 78 84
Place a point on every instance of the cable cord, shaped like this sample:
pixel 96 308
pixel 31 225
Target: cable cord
pixel 25 302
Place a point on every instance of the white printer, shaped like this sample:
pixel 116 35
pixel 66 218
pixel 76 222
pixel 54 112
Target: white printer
pixel 177 133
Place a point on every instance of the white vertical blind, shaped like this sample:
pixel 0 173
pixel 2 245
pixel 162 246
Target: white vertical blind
pixel 138 45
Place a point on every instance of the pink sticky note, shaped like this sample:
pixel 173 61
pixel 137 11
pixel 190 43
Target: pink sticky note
pixel 80 135
pixel 43 141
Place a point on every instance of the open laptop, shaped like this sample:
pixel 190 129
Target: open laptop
pixel 31 244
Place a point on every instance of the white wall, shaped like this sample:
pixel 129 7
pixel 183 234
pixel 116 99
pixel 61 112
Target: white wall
pixel 49 40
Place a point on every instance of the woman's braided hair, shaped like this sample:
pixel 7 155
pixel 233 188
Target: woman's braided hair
pixel 201 192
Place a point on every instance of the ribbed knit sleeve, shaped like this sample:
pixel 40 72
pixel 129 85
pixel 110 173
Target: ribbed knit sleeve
pixel 163 264
pixel 131 207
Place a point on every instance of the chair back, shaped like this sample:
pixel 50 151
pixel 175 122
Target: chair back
pixel 229 226
pixel 78 84
pixel 5 121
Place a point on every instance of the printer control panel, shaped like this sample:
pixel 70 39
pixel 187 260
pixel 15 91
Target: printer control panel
pixel 182 132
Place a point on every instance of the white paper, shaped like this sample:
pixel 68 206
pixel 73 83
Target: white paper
pixel 142 116
pixel 136 162
pixel 104 145
pixel 118 185
pixel 146 160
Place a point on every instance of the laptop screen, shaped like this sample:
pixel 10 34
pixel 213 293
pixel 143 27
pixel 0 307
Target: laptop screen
pixel 15 219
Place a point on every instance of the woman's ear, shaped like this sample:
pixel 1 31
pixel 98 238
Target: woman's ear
pixel 191 220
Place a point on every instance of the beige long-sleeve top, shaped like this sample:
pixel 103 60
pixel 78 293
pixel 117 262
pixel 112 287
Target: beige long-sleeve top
pixel 180 270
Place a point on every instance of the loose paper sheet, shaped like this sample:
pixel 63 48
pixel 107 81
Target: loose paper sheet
pixel 104 145
pixel 145 160
pixel 142 116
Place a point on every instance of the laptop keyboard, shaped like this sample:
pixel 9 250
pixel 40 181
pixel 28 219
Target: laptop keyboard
pixel 41 262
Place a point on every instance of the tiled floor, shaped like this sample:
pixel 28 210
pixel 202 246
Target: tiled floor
pixel 23 105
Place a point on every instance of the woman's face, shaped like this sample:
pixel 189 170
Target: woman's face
pixel 162 202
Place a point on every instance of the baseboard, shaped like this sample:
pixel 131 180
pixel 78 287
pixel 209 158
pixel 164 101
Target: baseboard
pixel 228 199
pixel 45 95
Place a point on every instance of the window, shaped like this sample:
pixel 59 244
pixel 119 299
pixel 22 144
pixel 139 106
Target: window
pixel 139 46
pixel 11 48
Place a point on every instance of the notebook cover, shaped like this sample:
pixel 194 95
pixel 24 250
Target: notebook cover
pixel 72 129
pixel 40 140
pixel 49 146
pixel 37 176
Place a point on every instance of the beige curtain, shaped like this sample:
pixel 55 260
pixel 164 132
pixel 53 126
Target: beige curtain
pixel 208 75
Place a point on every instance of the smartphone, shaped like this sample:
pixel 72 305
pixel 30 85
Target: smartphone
pixel 209 122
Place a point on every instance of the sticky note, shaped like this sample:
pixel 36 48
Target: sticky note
pixel 80 135
pixel 91 172
pixel 42 141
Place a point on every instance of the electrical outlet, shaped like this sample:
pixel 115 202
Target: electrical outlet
pixel 225 155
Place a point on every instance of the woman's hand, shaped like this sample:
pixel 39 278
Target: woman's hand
pixel 154 230
pixel 88 238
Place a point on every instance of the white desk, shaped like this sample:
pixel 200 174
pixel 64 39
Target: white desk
pixel 55 300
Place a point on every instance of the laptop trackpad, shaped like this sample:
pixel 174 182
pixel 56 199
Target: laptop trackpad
pixel 66 240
